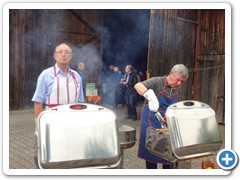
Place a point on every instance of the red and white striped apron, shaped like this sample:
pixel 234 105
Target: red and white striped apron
pixel 64 91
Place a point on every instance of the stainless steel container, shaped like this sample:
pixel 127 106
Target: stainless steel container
pixel 193 129
pixel 127 136
pixel 78 135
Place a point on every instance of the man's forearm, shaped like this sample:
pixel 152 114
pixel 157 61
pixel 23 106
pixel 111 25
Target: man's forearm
pixel 37 109
pixel 140 88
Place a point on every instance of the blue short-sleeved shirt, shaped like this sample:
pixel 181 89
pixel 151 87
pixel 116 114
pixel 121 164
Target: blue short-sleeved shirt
pixel 45 83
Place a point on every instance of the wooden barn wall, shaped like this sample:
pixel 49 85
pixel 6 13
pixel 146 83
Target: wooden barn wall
pixel 33 35
pixel 195 38
pixel 172 41
pixel 211 61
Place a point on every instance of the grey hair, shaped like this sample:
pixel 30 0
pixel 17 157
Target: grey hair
pixel 180 69
pixel 81 64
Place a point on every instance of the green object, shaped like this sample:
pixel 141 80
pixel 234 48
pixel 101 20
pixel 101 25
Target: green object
pixel 90 86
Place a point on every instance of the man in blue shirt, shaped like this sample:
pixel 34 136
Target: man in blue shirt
pixel 58 84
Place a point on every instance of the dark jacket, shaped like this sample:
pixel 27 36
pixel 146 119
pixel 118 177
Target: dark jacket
pixel 83 78
pixel 132 80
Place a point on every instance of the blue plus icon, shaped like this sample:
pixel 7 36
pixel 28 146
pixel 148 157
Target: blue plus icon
pixel 227 159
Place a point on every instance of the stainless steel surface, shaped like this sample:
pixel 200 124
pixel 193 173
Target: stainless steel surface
pixel 193 129
pixel 127 136
pixel 70 138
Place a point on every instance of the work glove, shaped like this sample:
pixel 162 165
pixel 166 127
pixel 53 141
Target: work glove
pixel 153 103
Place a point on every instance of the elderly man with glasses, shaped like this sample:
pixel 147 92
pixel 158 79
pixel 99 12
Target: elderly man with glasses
pixel 59 84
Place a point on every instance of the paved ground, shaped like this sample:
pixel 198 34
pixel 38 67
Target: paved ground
pixel 21 141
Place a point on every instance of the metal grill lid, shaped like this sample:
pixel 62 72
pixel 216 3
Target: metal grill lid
pixel 88 135
pixel 193 129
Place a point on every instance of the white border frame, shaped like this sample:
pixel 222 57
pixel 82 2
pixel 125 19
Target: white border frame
pixel 90 5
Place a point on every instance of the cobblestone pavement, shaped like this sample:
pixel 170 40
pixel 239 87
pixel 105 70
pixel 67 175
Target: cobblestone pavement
pixel 21 141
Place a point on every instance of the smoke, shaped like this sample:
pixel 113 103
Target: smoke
pixel 127 42
pixel 87 54
pixel 124 39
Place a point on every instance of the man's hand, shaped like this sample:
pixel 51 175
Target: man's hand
pixel 153 103
pixel 124 83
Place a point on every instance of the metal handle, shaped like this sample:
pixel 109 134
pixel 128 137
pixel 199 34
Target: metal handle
pixel 161 120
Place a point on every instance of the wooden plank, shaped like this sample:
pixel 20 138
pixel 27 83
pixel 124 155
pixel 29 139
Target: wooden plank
pixel 187 20
pixel 171 42
pixel 196 64
pixel 212 32
pixel 220 109
pixel 72 32
pixel 13 61
pixel 211 57
pixel 85 23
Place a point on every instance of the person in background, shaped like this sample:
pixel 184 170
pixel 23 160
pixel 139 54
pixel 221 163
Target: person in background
pixel 122 89
pixel 107 82
pixel 80 70
pixel 138 97
pixel 130 79
pixel 115 87
pixel 138 77
pixel 111 68
pixel 59 84
pixel 142 76
pixel 159 93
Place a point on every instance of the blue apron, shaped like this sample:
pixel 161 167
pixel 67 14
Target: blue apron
pixel 148 118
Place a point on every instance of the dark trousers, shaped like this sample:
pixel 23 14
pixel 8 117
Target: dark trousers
pixel 150 165
pixel 131 105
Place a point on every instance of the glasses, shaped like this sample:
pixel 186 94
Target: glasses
pixel 64 52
